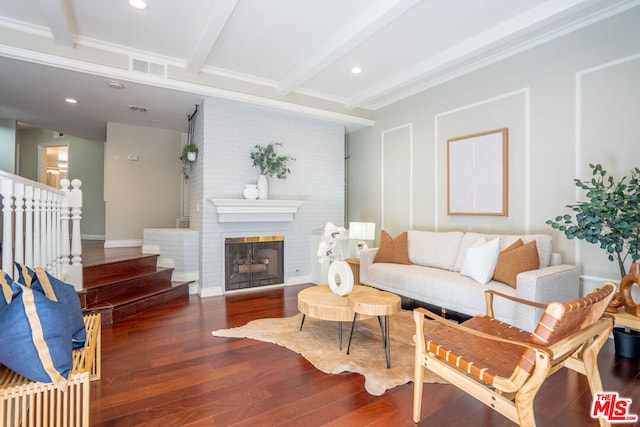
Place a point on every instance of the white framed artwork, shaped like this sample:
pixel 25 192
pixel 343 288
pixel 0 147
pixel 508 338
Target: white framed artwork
pixel 477 174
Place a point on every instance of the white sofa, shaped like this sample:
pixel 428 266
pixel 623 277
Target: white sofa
pixel 434 278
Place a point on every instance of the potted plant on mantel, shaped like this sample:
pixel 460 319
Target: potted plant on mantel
pixel 268 163
pixel 610 218
pixel 189 155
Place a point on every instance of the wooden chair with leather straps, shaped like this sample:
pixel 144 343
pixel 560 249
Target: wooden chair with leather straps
pixel 503 366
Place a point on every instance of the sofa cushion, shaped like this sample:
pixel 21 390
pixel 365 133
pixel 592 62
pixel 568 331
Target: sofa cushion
pixel 441 288
pixel 392 250
pixel 469 239
pixel 515 259
pixel 480 261
pixel 64 293
pixel 434 249
pixel 543 244
pixel 6 293
pixel 25 274
pixel 35 340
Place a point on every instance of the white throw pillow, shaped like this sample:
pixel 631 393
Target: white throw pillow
pixel 480 261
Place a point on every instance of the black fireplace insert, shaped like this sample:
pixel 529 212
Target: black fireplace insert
pixel 253 261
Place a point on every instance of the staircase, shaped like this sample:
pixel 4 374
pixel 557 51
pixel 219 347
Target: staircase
pixel 119 287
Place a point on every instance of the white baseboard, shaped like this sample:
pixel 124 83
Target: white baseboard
pixel 298 280
pixel 122 243
pixel 211 291
pixel 92 237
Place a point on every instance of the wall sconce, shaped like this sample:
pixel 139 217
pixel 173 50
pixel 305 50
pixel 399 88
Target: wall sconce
pixel 362 231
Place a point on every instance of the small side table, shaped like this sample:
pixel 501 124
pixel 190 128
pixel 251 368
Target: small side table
pixel 375 303
pixel 319 302
pixel 354 263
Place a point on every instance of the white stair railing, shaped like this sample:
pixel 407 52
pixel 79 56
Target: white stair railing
pixel 35 227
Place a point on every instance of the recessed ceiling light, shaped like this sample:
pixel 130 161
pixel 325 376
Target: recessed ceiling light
pixel 356 70
pixel 115 84
pixel 71 100
pixel 138 4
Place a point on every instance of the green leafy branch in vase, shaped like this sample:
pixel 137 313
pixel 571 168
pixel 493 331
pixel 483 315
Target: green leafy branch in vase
pixel 268 162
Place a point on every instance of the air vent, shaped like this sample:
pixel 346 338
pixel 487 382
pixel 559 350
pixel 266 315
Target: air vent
pixel 148 67
pixel 138 109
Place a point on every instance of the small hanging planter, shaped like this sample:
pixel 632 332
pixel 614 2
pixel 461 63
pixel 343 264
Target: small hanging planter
pixel 189 155
pixel 189 150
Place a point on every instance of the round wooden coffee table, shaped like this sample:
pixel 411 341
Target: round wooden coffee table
pixel 375 302
pixel 319 302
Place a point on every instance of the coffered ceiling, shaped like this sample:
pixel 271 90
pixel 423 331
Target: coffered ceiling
pixel 295 55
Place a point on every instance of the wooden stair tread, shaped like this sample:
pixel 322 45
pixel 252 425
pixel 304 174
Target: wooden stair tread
pixel 108 280
pixel 120 285
pixel 127 299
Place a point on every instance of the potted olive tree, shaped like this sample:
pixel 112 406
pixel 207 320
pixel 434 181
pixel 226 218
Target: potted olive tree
pixel 269 163
pixel 610 218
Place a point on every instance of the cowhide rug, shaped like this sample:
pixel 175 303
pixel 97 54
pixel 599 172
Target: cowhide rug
pixel 318 343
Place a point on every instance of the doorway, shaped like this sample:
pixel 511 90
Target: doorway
pixel 54 164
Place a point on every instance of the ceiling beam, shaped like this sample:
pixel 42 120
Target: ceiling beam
pixel 465 51
pixel 219 14
pixel 351 35
pixel 59 16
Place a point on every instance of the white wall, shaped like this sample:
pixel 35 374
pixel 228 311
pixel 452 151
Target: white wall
pixel 226 133
pixel 145 193
pixel 568 103
pixel 7 145
pixel 86 163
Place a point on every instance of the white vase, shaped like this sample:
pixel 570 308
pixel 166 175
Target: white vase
pixel 191 156
pixel 343 270
pixel 250 191
pixel 263 187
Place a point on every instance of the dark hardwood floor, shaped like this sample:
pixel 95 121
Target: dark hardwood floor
pixel 163 367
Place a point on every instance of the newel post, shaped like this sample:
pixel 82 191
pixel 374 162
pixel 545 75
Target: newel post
pixel 65 217
pixel 74 201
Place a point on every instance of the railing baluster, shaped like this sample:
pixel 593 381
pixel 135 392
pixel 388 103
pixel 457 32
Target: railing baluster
pixel 28 225
pixel 37 227
pixel 6 190
pixel 18 230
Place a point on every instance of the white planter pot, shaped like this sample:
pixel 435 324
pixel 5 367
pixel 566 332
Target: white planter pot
pixel 263 187
pixel 191 156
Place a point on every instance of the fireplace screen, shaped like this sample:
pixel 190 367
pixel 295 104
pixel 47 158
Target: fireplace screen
pixel 253 261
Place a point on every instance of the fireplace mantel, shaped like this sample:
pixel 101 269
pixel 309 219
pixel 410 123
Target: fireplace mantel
pixel 245 210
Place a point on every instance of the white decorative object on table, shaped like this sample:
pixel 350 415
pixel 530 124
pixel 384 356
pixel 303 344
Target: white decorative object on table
pixel 250 191
pixel 263 187
pixel 343 271
pixel 338 267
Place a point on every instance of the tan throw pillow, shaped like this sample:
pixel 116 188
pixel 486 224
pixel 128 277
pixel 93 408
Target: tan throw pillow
pixel 393 250
pixel 515 259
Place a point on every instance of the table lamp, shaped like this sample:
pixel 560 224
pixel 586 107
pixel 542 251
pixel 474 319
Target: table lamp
pixel 362 231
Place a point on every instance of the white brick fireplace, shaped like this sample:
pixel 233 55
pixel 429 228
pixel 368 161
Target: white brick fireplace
pixel 225 133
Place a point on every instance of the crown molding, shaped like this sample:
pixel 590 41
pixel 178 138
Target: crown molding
pixel 163 82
